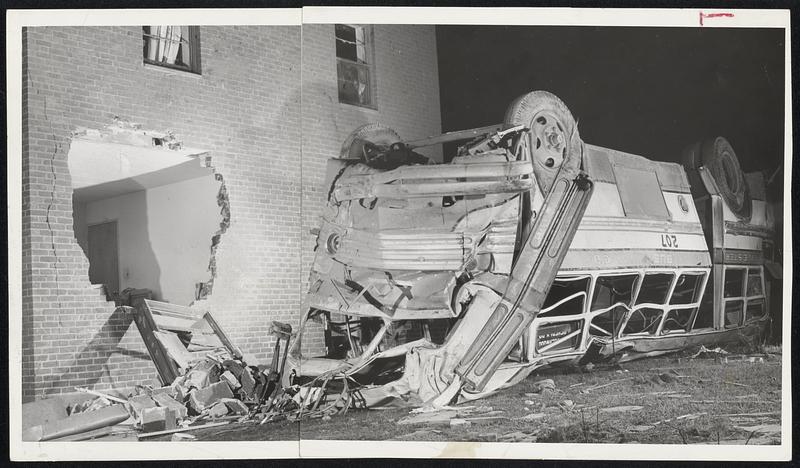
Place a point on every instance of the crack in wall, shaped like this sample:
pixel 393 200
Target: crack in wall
pixel 56 149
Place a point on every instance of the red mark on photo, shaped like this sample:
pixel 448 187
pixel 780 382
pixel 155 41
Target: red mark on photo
pixel 714 15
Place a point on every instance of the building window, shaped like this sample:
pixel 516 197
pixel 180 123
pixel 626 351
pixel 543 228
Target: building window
pixel 176 47
pixel 354 65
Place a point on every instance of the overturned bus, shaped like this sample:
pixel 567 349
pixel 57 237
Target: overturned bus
pixel 441 281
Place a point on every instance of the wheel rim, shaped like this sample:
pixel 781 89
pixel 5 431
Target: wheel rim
pixel 548 139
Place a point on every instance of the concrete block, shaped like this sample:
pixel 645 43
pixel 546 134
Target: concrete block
pixel 158 419
pixel 138 404
pixel 167 401
pixel 206 397
pixel 230 379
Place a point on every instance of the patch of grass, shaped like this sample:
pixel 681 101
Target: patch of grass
pixel 702 386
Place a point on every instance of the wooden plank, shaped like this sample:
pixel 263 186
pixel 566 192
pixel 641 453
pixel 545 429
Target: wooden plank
pixel 173 310
pixel 173 324
pixel 167 370
pixel 234 350
pixel 182 429
pixel 175 349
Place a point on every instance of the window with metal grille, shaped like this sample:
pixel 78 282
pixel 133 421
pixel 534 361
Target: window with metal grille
pixel 354 67
pixel 176 47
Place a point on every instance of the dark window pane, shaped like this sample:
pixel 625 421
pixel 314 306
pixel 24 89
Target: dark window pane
pixel 644 320
pixel 549 334
pixel 608 323
pixel 562 289
pixel 733 313
pixel 609 290
pixel 687 289
pixel 755 309
pixel 705 315
pixel 754 285
pixel 655 287
pixel 678 320
pixel 346 42
pixel 734 279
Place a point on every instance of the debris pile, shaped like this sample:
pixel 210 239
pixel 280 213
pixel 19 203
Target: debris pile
pixel 217 390
pixel 208 383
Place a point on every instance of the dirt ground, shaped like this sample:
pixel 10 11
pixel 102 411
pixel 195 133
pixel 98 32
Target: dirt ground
pixel 666 400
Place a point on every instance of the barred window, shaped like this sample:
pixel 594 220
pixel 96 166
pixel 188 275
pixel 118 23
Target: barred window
pixel 354 67
pixel 176 47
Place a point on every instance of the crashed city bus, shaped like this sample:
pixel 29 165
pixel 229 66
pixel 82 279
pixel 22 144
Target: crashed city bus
pixel 436 282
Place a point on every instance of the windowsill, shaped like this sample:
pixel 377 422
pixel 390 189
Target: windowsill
pixel 359 107
pixel 171 71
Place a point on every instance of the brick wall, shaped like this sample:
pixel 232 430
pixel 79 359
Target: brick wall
pixel 245 110
pixel 407 86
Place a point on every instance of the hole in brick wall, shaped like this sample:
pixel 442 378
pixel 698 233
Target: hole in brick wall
pixel 145 214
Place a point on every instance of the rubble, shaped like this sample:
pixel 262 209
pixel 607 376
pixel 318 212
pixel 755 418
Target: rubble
pixel 212 384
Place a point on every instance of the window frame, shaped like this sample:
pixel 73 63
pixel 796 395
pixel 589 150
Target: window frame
pixel 694 306
pixel 594 313
pixel 759 270
pixel 192 43
pixel 742 297
pixel 368 65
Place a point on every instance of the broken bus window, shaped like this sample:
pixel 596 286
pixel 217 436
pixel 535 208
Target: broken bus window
pixel 610 290
pixel 687 288
pixel 562 289
pixel 644 320
pixel 654 289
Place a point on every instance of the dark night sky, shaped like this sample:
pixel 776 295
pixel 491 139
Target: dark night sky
pixel 648 91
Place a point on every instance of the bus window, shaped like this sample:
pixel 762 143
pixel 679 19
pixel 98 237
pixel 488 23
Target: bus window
pixel 573 288
pixel 608 323
pixel 734 281
pixel 705 313
pixel 755 310
pixel 654 289
pixel 609 290
pixel 678 320
pixel 644 320
pixel 754 284
pixel 687 289
pixel 733 313
pixel 558 336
